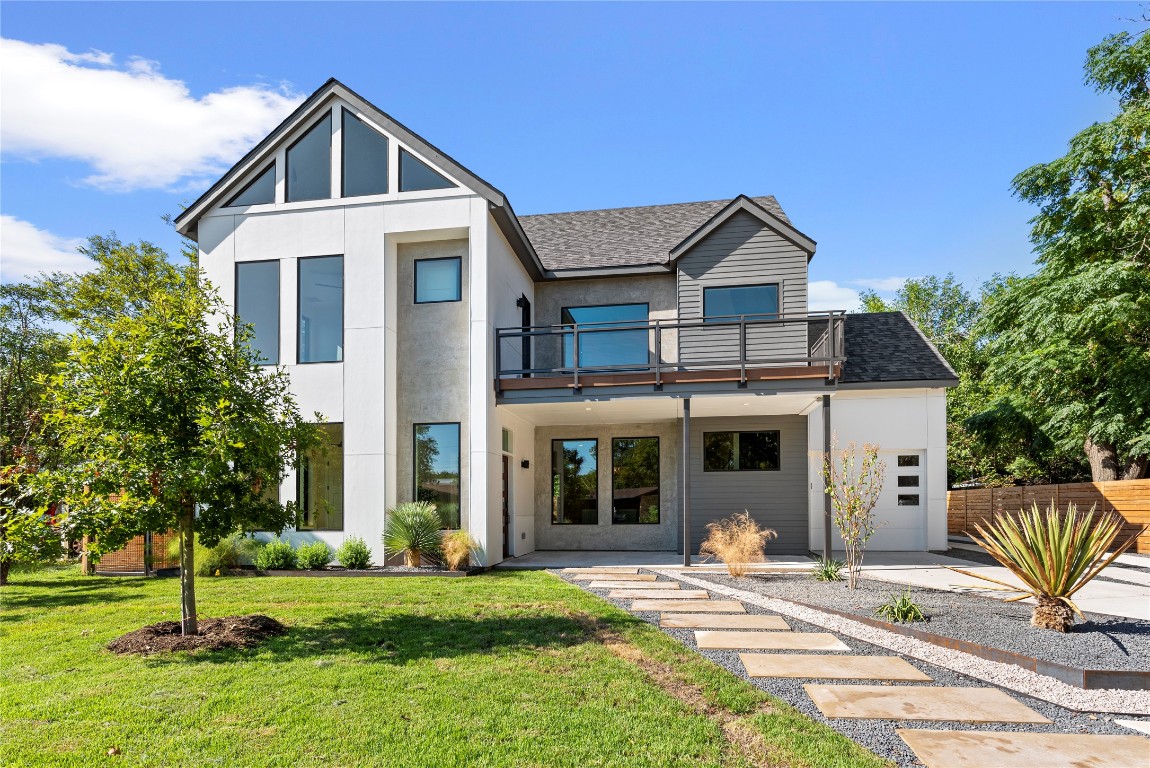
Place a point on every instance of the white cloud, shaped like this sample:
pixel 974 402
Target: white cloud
pixel 827 294
pixel 26 250
pixel 883 284
pixel 136 128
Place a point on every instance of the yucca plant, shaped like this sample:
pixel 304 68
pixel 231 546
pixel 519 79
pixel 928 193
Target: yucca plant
pixel 413 529
pixel 901 609
pixel 1053 554
pixel 736 541
pixel 828 569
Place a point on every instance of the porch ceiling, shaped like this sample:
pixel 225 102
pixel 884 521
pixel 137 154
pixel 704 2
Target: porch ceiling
pixel 644 410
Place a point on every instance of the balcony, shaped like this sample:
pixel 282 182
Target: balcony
pixel 653 353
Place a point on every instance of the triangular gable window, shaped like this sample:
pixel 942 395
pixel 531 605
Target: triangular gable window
pixel 364 158
pixel 416 176
pixel 309 164
pixel 262 191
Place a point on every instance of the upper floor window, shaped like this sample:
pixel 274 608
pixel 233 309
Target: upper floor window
pixel 364 158
pixel 609 335
pixel 755 302
pixel 321 309
pixel 416 176
pixel 309 164
pixel 438 280
pixel 258 306
pixel 262 190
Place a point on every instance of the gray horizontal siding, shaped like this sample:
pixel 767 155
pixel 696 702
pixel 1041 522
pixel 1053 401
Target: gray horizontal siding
pixel 775 500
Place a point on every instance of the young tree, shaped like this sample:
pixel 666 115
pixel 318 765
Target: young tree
pixel 1073 340
pixel 161 415
pixel 854 483
pixel 29 348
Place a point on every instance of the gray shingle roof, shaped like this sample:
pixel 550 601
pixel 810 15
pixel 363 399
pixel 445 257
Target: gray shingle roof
pixel 621 237
pixel 888 347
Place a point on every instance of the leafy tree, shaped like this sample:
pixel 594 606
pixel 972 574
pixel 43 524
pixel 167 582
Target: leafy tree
pixel 29 348
pixel 1072 341
pixel 161 416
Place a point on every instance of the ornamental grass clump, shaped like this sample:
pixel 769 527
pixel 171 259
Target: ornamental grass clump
pixel 458 548
pixel 1053 554
pixel 413 530
pixel 736 541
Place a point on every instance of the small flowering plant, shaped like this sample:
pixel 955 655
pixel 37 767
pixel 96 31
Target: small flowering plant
pixel 854 481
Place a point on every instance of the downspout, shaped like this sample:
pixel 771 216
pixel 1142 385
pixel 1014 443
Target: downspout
pixel 827 518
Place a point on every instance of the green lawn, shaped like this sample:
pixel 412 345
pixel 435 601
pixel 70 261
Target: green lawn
pixel 516 669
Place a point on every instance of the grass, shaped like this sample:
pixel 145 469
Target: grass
pixel 516 669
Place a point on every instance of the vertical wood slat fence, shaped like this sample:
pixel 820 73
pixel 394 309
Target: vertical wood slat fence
pixel 1129 498
pixel 130 559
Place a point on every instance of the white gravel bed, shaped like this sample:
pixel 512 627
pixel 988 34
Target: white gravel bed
pixel 1003 675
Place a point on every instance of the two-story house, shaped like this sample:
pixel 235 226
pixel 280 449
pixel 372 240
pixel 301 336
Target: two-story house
pixel 596 380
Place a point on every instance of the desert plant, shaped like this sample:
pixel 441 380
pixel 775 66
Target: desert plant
pixel 736 541
pixel 854 483
pixel 276 556
pixel 900 609
pixel 1054 555
pixel 828 569
pixel 354 554
pixel 229 554
pixel 458 548
pixel 314 556
pixel 413 529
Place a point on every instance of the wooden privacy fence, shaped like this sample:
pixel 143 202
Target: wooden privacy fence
pixel 130 559
pixel 1129 498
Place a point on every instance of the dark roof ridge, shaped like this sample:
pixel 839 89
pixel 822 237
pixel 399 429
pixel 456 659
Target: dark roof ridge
pixel 725 200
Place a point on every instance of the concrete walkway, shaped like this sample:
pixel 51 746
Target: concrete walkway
pixel 547 559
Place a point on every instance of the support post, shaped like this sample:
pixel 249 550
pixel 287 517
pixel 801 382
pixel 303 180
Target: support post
pixel 686 482
pixel 827 511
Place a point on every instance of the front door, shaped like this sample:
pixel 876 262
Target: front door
pixel 506 510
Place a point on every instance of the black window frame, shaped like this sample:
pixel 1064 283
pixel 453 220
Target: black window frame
pixel 778 286
pixel 917 500
pixel 279 302
pixel 602 327
pixel 779 440
pixel 458 281
pixel 299 312
pixel 912 460
pixel 287 160
pixel 415 461
pixel 399 173
pixel 300 482
pixel 594 440
pixel 232 202
pixel 344 114
pixel 658 478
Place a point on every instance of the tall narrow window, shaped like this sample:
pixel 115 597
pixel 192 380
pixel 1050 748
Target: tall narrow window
pixel 437 469
pixel 416 175
pixel 755 302
pixel 258 306
pixel 320 484
pixel 438 280
pixel 574 482
pixel 364 158
pixel 609 335
pixel 321 309
pixel 309 164
pixel 262 191
pixel 635 480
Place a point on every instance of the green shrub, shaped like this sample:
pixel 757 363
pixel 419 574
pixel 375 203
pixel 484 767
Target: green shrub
pixel 230 553
pixel 900 609
pixel 828 569
pixel 413 529
pixel 354 554
pixel 314 556
pixel 276 556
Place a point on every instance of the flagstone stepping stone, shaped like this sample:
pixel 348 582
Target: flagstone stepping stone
pixel 693 606
pixel 664 585
pixel 778 641
pixel 721 621
pixel 615 576
pixel 602 569
pixel 1006 749
pixel 682 594
pixel 920 702
pixel 816 666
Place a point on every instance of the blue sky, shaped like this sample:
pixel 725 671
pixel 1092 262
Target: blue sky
pixel 889 133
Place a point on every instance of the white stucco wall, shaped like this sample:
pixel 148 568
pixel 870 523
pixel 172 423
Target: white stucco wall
pixel 900 422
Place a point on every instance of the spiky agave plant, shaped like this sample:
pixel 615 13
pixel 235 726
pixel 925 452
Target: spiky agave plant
pixel 1053 554
pixel 412 528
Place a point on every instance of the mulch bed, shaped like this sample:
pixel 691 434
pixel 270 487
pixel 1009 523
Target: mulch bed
pixel 214 635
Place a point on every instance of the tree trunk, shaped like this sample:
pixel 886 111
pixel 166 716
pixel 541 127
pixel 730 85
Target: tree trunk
pixel 188 624
pixel 4 565
pixel 1103 458
pixel 1136 468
